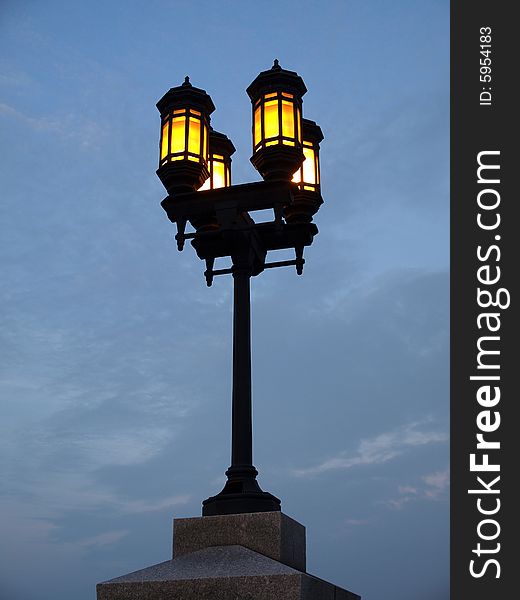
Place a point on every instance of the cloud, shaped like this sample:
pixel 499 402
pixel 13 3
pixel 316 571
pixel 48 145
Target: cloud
pixel 130 447
pixel 379 449
pixel 69 126
pixel 145 506
pixel 437 483
pixel 398 503
pixel 407 489
pixel 103 539
pixel 435 488
pixel 357 522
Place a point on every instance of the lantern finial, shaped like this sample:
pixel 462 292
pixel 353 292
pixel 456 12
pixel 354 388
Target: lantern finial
pixel 276 65
pixel 186 82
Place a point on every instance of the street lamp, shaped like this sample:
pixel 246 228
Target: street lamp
pixel 222 215
pixel 307 200
pixel 183 158
pixel 219 161
pixel 276 97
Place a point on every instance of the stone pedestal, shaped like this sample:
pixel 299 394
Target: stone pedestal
pixel 255 556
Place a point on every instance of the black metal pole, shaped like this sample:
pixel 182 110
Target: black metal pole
pixel 241 494
pixel 242 419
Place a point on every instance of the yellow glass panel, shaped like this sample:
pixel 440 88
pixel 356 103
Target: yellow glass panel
pixel 164 140
pixel 179 111
pixel 178 134
pixel 228 176
pixel 287 119
pixel 270 95
pixel 218 156
pixel 194 136
pixel 273 143
pixel 271 119
pixel 205 142
pixel 287 142
pixel 194 112
pixel 298 125
pixel 218 175
pixel 194 158
pixel 258 123
pixel 308 166
pixel 177 157
pixel 287 95
pixel 318 170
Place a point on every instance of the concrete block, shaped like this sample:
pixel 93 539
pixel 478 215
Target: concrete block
pixel 220 573
pixel 272 534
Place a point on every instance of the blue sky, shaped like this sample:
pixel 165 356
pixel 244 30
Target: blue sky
pixel 115 357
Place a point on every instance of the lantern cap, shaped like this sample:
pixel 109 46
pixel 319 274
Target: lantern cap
pixel 311 131
pixel 186 95
pixel 219 143
pixel 276 79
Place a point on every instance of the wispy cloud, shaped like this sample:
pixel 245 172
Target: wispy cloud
pixel 67 126
pixel 379 449
pixel 129 447
pixel 436 483
pixel 103 539
pixel 434 488
pixel 145 506
pixel 357 522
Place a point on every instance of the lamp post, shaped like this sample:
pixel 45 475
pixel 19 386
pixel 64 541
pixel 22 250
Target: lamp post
pixel 285 152
pixel 249 549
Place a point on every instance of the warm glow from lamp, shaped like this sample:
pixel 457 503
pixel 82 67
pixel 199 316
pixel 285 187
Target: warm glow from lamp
pixel 194 141
pixel 276 101
pixel 219 161
pixel 219 173
pixel 183 146
pixel 258 126
pixel 287 120
pixel 164 139
pixel 308 175
pixel 276 121
pixel 187 137
pixel 271 119
pixel 178 135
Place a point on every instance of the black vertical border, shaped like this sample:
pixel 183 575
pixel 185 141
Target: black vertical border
pixel 476 128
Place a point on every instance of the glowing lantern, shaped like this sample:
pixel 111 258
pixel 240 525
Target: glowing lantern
pixel 307 199
pixel 183 147
pixel 276 97
pixel 219 161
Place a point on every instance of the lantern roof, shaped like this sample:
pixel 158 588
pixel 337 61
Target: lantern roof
pixel 220 143
pixel 311 131
pixel 186 94
pixel 275 79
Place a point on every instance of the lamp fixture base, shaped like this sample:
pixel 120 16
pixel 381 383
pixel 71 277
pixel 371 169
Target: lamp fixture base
pixel 277 162
pixel 241 494
pixel 182 176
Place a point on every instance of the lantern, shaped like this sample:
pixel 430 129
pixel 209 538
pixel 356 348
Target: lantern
pixel 307 198
pixel 219 161
pixel 276 97
pixel 183 147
